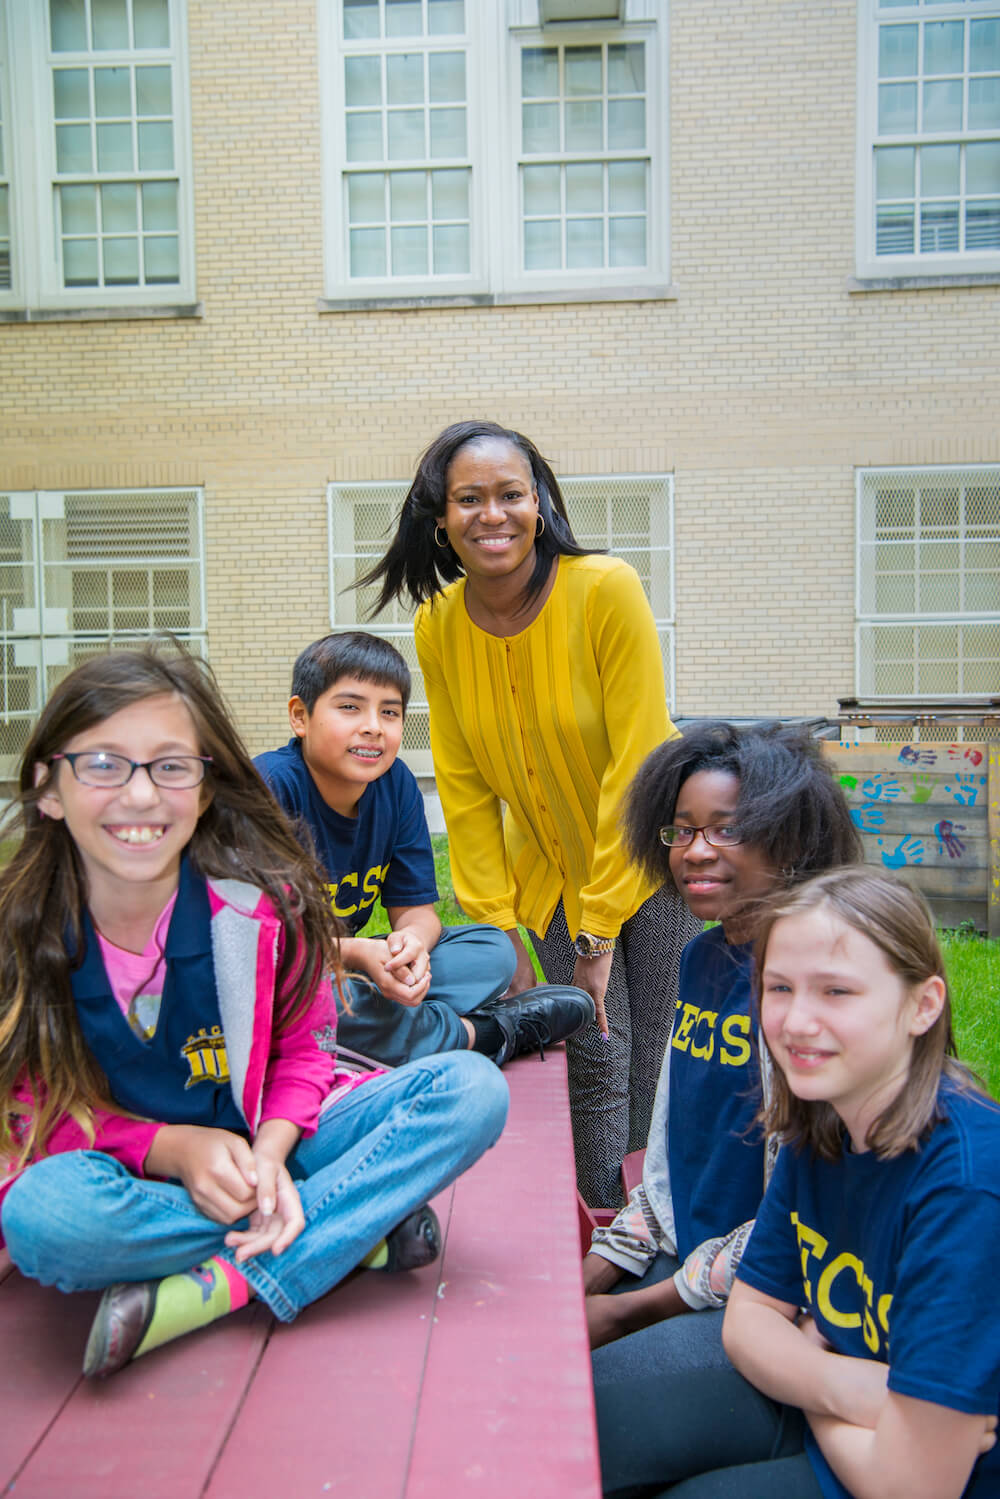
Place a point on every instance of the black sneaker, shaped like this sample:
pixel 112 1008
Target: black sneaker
pixel 415 1242
pixel 538 1018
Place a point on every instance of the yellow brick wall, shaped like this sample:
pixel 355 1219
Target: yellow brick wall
pixel 761 386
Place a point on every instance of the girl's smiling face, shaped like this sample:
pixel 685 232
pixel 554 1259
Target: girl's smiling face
pixel 131 835
pixel 839 1021
pixel 718 884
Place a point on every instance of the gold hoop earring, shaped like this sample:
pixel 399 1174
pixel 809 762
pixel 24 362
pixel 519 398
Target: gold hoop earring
pixel 442 544
pixel 541 523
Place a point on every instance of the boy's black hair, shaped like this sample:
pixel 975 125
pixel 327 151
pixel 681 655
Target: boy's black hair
pixel 790 807
pixel 416 566
pixel 349 653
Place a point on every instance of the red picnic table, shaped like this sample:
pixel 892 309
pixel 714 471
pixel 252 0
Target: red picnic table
pixel 471 1377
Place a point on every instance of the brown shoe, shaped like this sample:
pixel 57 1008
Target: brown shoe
pixel 120 1325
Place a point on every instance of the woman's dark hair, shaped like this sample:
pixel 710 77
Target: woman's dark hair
pixel 790 807
pixel 241 834
pixel 415 565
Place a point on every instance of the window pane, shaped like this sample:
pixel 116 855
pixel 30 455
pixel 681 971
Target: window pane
pixel 627 69
pixel 156 146
pixel 451 250
pixel 982 225
pixel 121 262
pixel 363 80
pixel 114 148
pixel 447 132
pixel 584 126
pixel 894 231
pixel 405 78
pixel 159 205
pixel 161 255
pixel 984 47
pixel 71 94
pixel 68 25
pixel 897 51
pixel 626 185
pixel 366 197
pixel 118 207
pixel 364 137
pixel 894 172
pixel 152 91
pixel 541 190
pixel 445 17
pixel 447 77
pixel 403 18
pixel 939 228
pixel 584 242
pixel 583 70
pixel 78 210
pixel 540 128
pixel 368 252
pixel 984 103
pixel 408 195
pixel 897 108
pixel 409 252
pixel 406 134
pixel 982 167
pixel 542 246
pixel 939 170
pixel 539 73
pixel 944 47
pixel 80 262
pixel 73 148
pixel 943 105
pixel 151 19
pixel 360 18
pixel 450 194
pixel 109 21
pixel 113 92
pixel 626 124
pixel 585 188
pixel 627 242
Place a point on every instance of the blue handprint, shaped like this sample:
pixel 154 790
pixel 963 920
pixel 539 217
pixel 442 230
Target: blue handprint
pixel 912 754
pixel 966 789
pixel 907 851
pixel 867 818
pixel 882 787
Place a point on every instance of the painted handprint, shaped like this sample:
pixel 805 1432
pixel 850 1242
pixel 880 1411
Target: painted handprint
pixel 946 833
pixel 867 818
pixel 907 851
pixel 964 752
pixel 849 783
pixel 914 754
pixel 966 788
pixel 922 787
pixel 882 787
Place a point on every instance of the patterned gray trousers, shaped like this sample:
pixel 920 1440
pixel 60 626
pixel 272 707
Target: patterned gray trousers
pixel 612 1082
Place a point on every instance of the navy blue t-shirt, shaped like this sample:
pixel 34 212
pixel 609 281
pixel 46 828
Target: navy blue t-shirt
pixel 715 1150
pixel 383 852
pixel 907 1244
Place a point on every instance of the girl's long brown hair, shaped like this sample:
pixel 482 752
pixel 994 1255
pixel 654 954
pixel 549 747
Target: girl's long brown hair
pixel 899 922
pixel 241 834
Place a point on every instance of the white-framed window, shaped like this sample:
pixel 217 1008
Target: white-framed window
pixel 84 569
pixel 97 155
pixel 629 515
pixel 928 137
pixel 469 149
pixel 928 582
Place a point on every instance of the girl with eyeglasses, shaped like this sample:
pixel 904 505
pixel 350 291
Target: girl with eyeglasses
pixel 174 1126
pixel 729 816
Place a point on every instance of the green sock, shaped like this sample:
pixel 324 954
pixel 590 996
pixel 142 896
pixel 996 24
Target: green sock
pixel 185 1302
pixel 376 1258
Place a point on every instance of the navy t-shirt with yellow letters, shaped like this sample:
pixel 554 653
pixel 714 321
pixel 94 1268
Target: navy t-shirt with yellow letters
pixel 716 1152
pixel 384 852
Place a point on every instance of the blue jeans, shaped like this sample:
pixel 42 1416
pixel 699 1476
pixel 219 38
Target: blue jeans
pixel 469 965
pixel 81 1221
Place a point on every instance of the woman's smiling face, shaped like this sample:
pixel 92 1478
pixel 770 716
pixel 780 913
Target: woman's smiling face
pixel 491 509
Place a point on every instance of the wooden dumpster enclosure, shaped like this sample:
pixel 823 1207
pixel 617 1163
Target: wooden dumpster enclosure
pixel 930 812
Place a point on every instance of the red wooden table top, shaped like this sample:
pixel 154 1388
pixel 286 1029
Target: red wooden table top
pixel 469 1377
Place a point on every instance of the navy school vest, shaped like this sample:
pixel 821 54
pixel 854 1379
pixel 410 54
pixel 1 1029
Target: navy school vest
pixel 181 1075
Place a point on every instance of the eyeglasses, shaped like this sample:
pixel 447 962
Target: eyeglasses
pixel 172 772
pixel 723 836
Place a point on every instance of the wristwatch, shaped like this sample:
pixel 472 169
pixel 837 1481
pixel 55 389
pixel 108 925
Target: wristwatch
pixel 589 946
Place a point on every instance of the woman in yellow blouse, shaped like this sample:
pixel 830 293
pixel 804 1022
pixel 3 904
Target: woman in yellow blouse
pixel 545 683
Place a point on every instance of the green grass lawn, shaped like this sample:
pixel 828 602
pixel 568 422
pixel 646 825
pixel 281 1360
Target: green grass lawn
pixel 972 962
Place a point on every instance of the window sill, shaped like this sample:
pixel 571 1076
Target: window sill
pixel 921 283
pixel 499 299
pixel 98 314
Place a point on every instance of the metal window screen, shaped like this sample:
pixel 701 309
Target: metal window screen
pixel 928 570
pixel 629 515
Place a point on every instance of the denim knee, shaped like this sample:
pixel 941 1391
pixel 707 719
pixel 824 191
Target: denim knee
pixel 44 1214
pixel 473 1077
